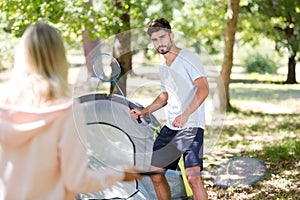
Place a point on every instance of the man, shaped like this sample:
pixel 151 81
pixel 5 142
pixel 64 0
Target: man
pixel 184 90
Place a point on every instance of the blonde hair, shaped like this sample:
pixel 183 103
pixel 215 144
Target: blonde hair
pixel 41 69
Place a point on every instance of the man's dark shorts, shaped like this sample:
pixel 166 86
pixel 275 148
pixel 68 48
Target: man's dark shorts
pixel 171 144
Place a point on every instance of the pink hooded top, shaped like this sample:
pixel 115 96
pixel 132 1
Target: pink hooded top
pixel 41 156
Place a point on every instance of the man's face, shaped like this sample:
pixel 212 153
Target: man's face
pixel 162 41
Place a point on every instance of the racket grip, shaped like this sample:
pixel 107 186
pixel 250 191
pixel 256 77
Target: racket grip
pixel 138 119
pixel 149 173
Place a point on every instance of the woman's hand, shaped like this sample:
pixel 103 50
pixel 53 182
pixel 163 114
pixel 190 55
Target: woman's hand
pixel 131 174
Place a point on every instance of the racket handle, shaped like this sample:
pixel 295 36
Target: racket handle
pixel 138 119
pixel 149 173
pixel 169 172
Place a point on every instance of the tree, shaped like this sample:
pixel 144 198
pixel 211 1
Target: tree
pixel 207 22
pixel 89 43
pixel 73 19
pixel 17 15
pixel 81 21
pixel 120 17
pixel 202 21
pixel 229 39
pixel 279 20
pixel 122 45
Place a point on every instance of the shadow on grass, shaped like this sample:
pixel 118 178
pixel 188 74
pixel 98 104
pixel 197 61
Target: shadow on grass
pixel 257 123
pixel 281 182
pixel 273 138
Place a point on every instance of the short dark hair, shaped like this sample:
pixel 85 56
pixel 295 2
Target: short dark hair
pixel 157 25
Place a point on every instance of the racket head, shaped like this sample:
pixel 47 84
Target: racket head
pixel 106 67
pixel 238 172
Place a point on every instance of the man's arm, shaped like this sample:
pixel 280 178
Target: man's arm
pixel 160 101
pixel 201 94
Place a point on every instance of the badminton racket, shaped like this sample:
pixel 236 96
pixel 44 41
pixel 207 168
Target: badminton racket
pixel 238 172
pixel 233 173
pixel 107 69
pixel 169 173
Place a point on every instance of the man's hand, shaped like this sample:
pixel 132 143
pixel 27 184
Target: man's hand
pixel 136 113
pixel 180 120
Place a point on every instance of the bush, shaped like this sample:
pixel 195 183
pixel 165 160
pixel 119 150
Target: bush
pixel 260 64
pixel 8 44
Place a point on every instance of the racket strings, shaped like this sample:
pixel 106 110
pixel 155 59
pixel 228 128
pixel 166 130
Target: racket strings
pixel 106 68
pixel 238 172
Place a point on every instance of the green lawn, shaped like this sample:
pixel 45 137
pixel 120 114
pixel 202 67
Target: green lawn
pixel 264 124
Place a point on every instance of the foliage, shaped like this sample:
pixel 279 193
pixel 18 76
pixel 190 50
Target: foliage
pixel 277 19
pixel 202 21
pixel 283 17
pixel 17 15
pixel 73 17
pixel 7 50
pixel 265 47
pixel 260 64
pixel 104 20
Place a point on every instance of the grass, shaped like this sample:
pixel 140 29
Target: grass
pixel 265 124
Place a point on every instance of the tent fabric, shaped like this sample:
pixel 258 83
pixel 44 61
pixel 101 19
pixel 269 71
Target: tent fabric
pixel 113 138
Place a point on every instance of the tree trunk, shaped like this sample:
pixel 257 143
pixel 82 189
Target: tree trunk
pixel 229 38
pixel 122 52
pixel 291 76
pixel 122 49
pixel 89 45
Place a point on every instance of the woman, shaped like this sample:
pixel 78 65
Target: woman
pixel 41 156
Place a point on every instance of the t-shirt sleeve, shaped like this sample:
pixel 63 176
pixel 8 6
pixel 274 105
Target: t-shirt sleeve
pixel 195 67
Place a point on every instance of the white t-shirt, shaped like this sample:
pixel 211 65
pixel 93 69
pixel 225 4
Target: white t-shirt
pixel 178 81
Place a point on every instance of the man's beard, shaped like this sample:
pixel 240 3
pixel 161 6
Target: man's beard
pixel 163 52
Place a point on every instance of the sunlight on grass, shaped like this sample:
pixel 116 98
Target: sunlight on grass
pixel 264 125
pixel 284 150
pixel 267 98
pixel 268 78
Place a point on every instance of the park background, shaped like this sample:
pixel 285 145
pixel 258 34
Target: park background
pixel 253 44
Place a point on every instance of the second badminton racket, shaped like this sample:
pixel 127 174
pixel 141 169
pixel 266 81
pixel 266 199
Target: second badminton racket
pixel 107 69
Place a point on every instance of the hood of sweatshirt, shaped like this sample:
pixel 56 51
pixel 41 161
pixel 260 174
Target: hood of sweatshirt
pixel 19 125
